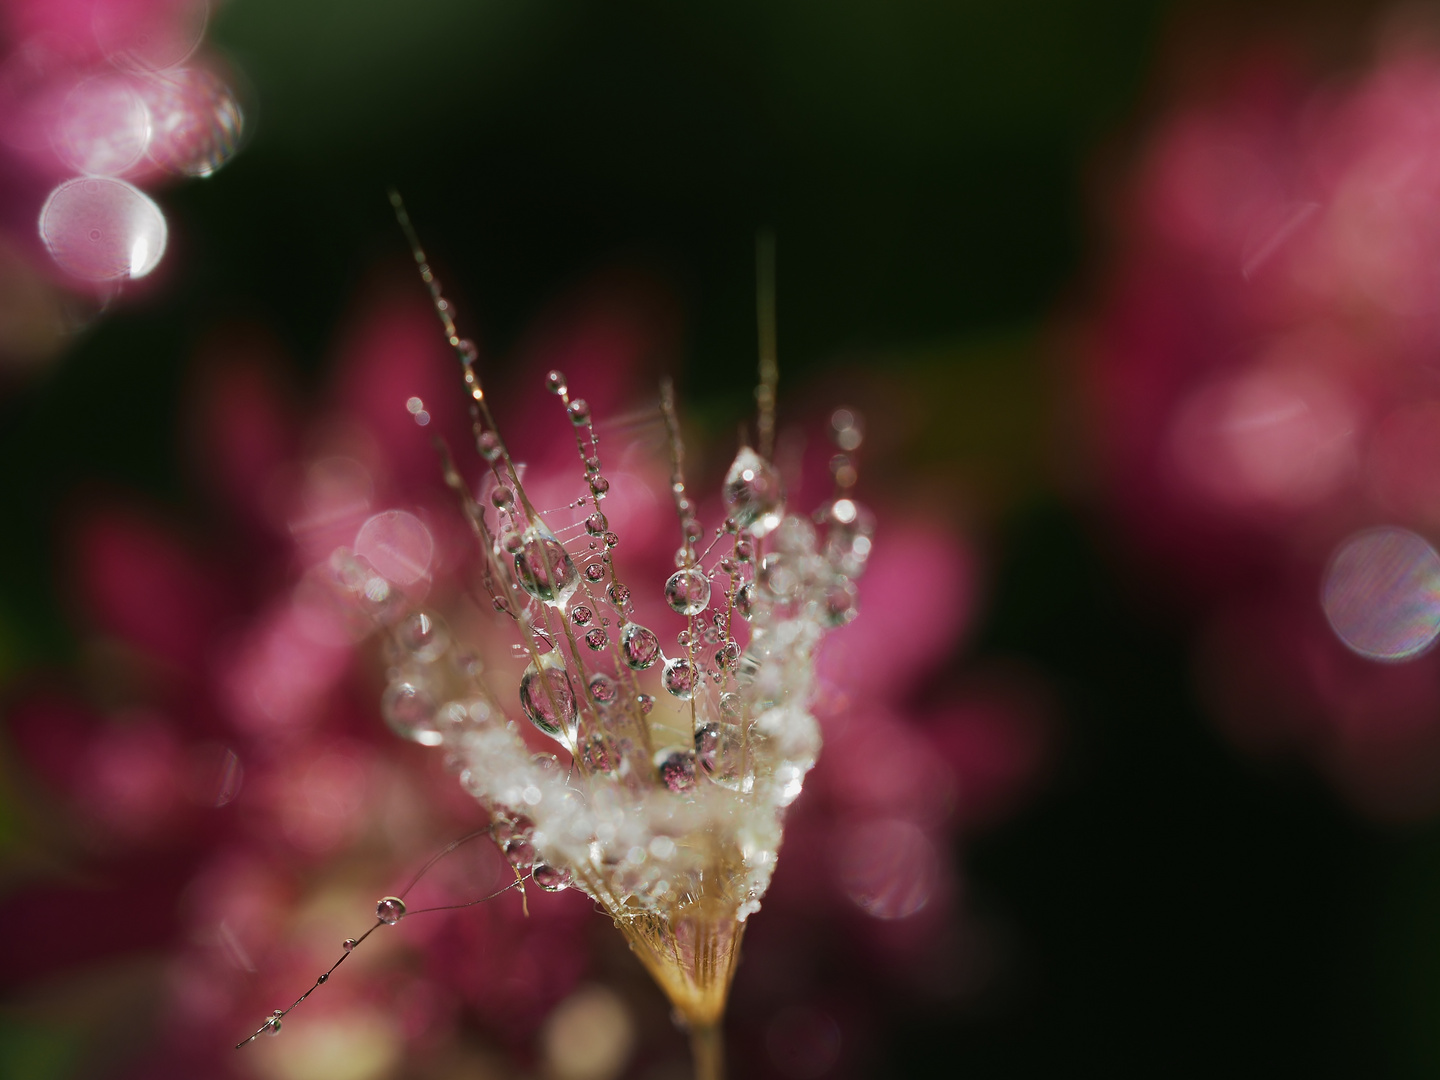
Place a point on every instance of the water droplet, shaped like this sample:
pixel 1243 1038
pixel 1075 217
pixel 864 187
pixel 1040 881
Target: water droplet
pixel 692 530
pixel 841 602
pixel 555 383
pixel 398 545
pixel 676 769
pixel 581 615
pixel 502 497
pixel 273 1025
pixel 594 571
pixel 680 677
pixel 778 576
pixel 639 645
pixel 519 852
pixel 548 698
pixel 579 412
pixel 101 229
pixel 795 536
pixel 550 878
pixel 599 486
pixel 612 540
pixel 544 567
pixel 687 591
pixel 646 703
pixel 597 639
pixel 619 595
pixel 745 599
pixel 603 688
pixel 729 566
pixel 196 121
pixel 753 494
pixel 596 523
pixel 103 127
pixel 848 542
pixel 423 636
pixel 409 710
pixel 597 754
pixel 718 750
pixel 1382 594
pixel 744 550
pixel 349 943
pixel 683 639
pixel 732 708
pixel 390 910
pixel 322 978
pixel 488 444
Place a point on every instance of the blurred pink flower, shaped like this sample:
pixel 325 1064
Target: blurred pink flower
pixel 1261 377
pixel 246 794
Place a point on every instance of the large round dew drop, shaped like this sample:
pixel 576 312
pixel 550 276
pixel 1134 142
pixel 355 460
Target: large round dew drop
pixel 197 121
pixel 101 229
pixel 548 699
pixel 398 545
pixel 1382 594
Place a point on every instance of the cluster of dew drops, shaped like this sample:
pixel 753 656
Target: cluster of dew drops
pixel 766 564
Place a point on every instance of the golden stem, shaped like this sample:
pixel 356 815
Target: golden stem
pixel 707 1047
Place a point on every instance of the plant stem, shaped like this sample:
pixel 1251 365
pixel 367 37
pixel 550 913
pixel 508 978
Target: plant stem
pixel 707 1046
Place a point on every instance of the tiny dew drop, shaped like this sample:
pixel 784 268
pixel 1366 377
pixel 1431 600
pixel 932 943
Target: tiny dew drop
pixel 596 638
pixel 579 412
pixel 581 615
pixel 596 523
pixel 594 572
pixel 603 688
pixel 323 978
pixel 555 383
pixel 272 1026
pixel 349 943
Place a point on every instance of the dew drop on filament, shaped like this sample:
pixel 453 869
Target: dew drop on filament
pixel 753 494
pixel 679 678
pixel 544 567
pixel 550 878
pixel 639 645
pixel 676 769
pixel 390 910
pixel 687 591
pixel 548 699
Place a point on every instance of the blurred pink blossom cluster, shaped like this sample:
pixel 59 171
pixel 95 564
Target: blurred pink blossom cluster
pixel 100 99
pixel 235 789
pixel 1264 385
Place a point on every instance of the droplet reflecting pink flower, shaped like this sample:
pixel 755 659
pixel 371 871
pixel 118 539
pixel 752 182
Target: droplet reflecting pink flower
pixel 196 121
pixel 1382 594
pixel 889 868
pixel 103 127
pixel 100 229
pixel 398 545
